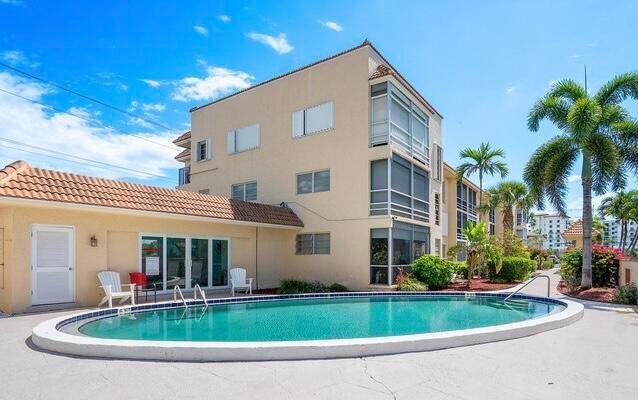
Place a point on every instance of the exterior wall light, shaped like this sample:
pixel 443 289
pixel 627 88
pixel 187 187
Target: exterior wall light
pixel 93 241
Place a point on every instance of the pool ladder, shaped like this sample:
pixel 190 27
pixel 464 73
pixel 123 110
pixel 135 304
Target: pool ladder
pixel 197 289
pixel 528 282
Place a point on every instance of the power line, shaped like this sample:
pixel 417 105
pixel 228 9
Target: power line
pixel 77 157
pixel 88 120
pixel 89 98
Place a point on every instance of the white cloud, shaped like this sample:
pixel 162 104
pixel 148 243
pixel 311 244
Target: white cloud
pixel 152 83
pixel 573 178
pixel 280 44
pixel 136 105
pixel 510 91
pixel 17 57
pixel 224 18
pixel 24 121
pixel 111 79
pixel 332 25
pixel 219 82
pixel 201 30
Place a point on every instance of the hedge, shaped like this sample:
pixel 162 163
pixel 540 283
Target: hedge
pixel 434 271
pixel 513 269
pixel 605 263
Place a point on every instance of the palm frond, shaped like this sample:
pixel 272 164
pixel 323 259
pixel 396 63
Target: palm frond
pixel 568 89
pixel 553 109
pixel 584 117
pixel 605 160
pixel 618 89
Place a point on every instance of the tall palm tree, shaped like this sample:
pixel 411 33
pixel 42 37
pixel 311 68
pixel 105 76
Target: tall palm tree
pixel 618 207
pixel 595 129
pixel 483 161
pixel 507 196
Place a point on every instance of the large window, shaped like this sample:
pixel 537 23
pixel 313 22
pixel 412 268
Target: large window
pixel 245 191
pixel 315 119
pixel 311 182
pixel 404 190
pixel 184 176
pixel 312 243
pixel 394 118
pixel 242 139
pixel 404 242
pixel 184 261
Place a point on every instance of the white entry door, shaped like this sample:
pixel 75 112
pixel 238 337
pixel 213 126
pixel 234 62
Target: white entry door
pixel 52 265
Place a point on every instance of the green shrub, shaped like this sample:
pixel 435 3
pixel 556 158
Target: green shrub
pixel 547 264
pixel 406 283
pixel 435 272
pixel 604 267
pixel 337 287
pixel 627 294
pixel 459 268
pixel 513 269
pixel 294 286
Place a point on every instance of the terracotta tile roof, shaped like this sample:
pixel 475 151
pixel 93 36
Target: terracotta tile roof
pixel 575 230
pixel 184 136
pixel 381 70
pixel 184 154
pixel 20 180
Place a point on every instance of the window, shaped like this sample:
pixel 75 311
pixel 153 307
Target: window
pixel 312 243
pixel 312 182
pixel 244 191
pixel 184 176
pixel 313 120
pixel 437 247
pixel 408 243
pixel 438 162
pixel 203 150
pixel 243 139
pixel 395 119
pixel 408 195
pixel 437 210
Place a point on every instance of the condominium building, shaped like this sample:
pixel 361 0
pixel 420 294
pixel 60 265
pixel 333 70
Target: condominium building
pixel 612 232
pixel 548 227
pixel 349 145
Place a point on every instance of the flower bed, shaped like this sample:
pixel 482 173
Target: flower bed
pixel 601 294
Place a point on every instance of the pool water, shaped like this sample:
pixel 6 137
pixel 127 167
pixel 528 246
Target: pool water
pixel 318 318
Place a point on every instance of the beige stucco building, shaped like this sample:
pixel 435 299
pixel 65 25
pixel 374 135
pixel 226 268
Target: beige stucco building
pixel 349 145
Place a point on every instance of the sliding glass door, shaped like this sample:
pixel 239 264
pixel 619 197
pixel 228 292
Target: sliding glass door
pixel 185 261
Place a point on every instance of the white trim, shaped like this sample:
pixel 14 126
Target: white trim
pixel 47 337
pixel 72 267
pixel 115 210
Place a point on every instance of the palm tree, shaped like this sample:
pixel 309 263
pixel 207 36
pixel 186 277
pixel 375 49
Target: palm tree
pixel 508 195
pixel 595 129
pixel 478 249
pixel 484 160
pixel 618 207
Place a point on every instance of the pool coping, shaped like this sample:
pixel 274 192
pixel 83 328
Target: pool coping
pixel 48 335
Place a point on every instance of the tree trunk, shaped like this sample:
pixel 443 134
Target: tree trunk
pixel 621 241
pixel 633 242
pixel 480 213
pixel 586 281
pixel 508 219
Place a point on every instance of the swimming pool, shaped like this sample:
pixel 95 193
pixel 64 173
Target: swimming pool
pixel 304 326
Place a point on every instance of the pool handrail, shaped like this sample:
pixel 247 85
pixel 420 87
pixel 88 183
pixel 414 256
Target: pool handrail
pixel 176 290
pixel 527 283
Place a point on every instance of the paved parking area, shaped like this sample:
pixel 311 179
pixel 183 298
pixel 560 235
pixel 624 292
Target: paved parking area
pixel 594 358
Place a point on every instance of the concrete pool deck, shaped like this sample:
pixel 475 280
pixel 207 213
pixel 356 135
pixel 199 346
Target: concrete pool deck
pixel 595 357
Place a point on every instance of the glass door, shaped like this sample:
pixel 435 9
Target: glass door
pixel 199 273
pixel 220 262
pixel 175 262
pixel 153 260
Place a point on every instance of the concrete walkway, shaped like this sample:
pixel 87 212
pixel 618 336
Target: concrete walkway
pixel 594 358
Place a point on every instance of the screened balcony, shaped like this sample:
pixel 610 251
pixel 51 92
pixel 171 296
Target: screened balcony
pixel 397 120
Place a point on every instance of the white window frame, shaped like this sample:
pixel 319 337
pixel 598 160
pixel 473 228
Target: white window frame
pixel 312 174
pixel 207 143
pixel 304 121
pixel 314 244
pixel 243 184
pixel 231 137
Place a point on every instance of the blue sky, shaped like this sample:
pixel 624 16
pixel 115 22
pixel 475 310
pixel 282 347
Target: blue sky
pixel 481 64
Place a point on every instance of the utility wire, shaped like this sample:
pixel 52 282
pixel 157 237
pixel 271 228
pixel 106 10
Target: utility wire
pixel 88 120
pixel 89 98
pixel 15 142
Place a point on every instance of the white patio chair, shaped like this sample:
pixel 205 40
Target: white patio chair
pixel 110 282
pixel 238 281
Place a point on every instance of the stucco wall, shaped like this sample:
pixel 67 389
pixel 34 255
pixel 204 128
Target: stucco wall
pixel 632 266
pixel 118 237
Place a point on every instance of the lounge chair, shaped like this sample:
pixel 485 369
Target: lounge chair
pixel 238 281
pixel 110 282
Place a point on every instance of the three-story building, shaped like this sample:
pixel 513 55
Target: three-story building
pixel 349 145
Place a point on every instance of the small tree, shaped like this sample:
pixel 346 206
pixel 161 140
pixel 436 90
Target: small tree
pixel 478 248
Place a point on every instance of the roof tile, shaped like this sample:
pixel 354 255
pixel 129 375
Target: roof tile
pixel 20 180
